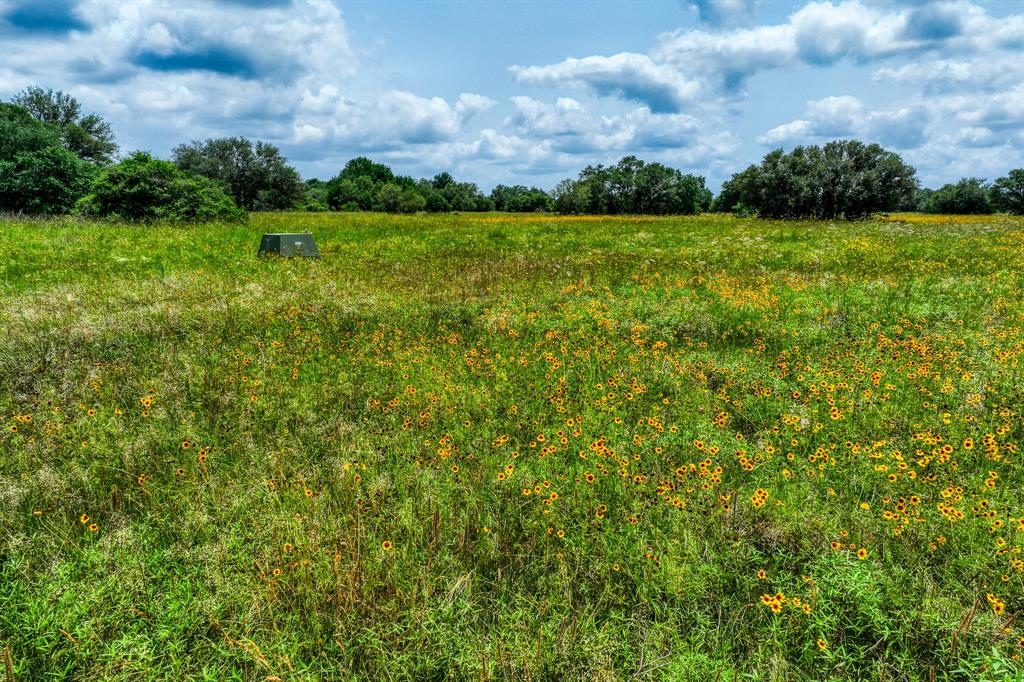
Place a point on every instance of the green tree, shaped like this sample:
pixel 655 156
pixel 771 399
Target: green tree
pixel 461 196
pixel 47 181
pixel 968 196
pixel 1007 192
pixel 728 199
pixel 315 195
pixel 355 194
pixel 355 187
pixel 88 136
pixel 141 188
pixel 20 132
pixel 442 180
pixel 258 176
pixel 37 174
pixel 364 185
pixel 394 198
pixel 633 187
pixel 916 201
pixel 844 179
pixel 571 197
pixel 364 167
pixel 435 201
pixel 519 198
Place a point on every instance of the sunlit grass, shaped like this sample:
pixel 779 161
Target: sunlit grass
pixel 513 447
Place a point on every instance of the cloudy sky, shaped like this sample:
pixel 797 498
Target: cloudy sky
pixel 530 92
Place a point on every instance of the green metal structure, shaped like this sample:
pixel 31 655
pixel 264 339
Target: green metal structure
pixel 289 245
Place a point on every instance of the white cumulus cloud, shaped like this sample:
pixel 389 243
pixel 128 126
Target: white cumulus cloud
pixel 627 75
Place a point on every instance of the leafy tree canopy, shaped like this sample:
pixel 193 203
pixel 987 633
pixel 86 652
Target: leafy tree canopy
pixel 363 167
pixel 520 198
pixel 20 132
pixel 141 188
pixel 365 185
pixel 88 136
pixel 257 176
pixel 1007 192
pixel 844 179
pixel 633 187
pixel 968 196
pixel 37 174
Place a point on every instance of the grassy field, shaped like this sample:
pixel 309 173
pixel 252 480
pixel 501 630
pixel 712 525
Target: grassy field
pixel 493 447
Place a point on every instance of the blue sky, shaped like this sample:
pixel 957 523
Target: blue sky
pixel 530 92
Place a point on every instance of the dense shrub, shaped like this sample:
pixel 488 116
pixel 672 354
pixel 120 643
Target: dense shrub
pixel 48 181
pixel 314 193
pixel 458 196
pixel 142 188
pixel 844 179
pixel 916 201
pixel 37 174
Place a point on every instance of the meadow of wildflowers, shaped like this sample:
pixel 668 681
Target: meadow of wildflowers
pixel 513 447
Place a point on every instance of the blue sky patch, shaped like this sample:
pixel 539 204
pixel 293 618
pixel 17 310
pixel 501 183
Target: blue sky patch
pixel 44 16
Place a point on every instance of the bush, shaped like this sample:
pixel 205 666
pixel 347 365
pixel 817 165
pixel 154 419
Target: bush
pixel 47 181
pixel 142 188
pixel 37 174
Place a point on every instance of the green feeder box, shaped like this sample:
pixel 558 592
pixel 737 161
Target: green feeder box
pixel 297 245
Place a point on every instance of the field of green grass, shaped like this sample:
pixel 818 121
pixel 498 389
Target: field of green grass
pixel 493 447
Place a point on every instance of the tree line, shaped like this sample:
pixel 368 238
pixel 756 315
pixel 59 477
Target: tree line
pixel 55 159
pixel 972 196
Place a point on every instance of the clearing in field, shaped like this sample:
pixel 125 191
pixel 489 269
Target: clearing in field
pixel 497 447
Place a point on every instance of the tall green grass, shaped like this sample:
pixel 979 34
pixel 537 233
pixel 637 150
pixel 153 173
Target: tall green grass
pixel 344 468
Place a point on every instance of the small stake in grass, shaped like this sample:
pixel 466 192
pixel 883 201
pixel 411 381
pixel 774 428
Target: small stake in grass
pixel 289 245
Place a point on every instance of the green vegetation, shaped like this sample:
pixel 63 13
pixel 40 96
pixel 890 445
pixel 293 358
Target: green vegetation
pixel 37 174
pixel 1007 192
pixel 364 185
pixel 142 188
pixel 969 196
pixel 972 196
pixel 513 447
pixel 86 136
pixel 632 187
pixel 521 199
pixel 50 154
pixel 257 176
pixel 844 179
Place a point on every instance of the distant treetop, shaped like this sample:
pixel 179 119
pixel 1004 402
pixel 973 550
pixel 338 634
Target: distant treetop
pixel 632 187
pixel 89 136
